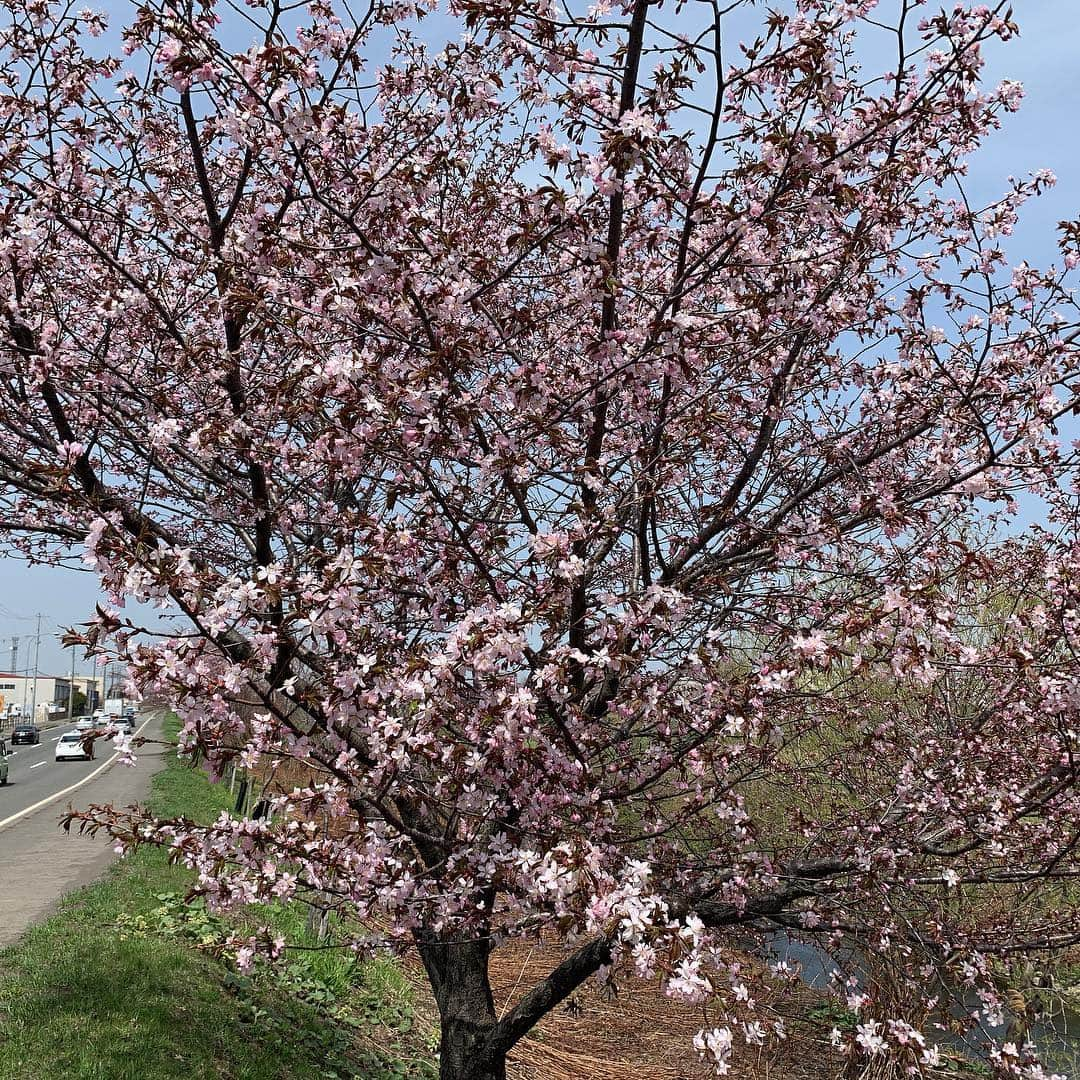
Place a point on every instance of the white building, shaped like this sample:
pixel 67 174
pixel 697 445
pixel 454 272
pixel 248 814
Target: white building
pixel 46 696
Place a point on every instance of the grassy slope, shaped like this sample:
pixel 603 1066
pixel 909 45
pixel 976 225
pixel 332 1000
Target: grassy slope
pixel 81 999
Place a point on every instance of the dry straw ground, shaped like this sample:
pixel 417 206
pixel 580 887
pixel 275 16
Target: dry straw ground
pixel 637 1034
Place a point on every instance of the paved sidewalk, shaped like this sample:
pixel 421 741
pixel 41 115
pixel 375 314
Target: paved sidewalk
pixel 40 863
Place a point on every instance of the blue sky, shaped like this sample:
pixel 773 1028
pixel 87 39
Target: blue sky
pixel 1043 135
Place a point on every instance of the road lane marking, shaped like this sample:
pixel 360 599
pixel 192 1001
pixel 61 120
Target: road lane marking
pixel 38 765
pixel 68 790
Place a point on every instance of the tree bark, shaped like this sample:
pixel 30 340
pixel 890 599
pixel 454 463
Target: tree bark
pixel 458 972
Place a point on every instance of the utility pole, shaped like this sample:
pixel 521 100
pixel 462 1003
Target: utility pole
pixel 71 688
pixel 25 684
pixel 15 654
pixel 37 653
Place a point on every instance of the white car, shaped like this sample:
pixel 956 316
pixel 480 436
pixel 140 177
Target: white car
pixel 85 723
pixel 70 747
pixel 114 724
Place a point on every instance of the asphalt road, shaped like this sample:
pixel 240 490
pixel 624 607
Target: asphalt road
pixel 34 773
pixel 39 862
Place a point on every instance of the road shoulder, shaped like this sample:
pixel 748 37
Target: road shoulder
pixel 41 863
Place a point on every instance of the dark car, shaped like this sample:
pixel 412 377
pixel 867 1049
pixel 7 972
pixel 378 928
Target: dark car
pixel 25 733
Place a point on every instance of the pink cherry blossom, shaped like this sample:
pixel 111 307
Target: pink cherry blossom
pixel 587 460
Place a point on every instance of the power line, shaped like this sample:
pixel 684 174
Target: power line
pixel 7 613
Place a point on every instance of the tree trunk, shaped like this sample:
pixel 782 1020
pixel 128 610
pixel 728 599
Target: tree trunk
pixel 473 1044
pixel 458 971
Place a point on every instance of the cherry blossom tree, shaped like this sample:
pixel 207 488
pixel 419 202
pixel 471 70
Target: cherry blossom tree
pixel 598 445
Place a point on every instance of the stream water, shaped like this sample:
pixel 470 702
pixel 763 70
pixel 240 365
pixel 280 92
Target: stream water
pixel 1057 1036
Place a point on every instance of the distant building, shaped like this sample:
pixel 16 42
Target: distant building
pixel 46 696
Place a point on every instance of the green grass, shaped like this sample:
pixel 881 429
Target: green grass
pixel 112 987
